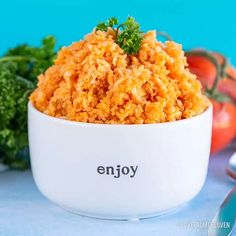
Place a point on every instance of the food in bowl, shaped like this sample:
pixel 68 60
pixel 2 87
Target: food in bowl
pixel 118 127
pixel 96 81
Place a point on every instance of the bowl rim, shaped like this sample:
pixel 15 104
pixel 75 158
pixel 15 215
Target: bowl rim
pixel 70 122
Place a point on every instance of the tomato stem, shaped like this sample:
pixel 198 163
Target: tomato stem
pixel 164 35
pixel 220 73
pixel 224 66
pixel 230 77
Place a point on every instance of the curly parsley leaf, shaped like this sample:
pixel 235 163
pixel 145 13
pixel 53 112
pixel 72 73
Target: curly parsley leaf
pixel 112 22
pixel 102 27
pixel 127 35
pixel 19 69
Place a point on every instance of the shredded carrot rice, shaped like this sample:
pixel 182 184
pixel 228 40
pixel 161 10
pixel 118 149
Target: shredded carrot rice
pixel 95 81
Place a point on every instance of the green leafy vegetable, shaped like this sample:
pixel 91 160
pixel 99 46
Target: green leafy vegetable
pixel 102 27
pixel 112 21
pixel 128 34
pixel 19 69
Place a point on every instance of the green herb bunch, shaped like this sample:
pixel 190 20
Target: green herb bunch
pixel 19 69
pixel 127 35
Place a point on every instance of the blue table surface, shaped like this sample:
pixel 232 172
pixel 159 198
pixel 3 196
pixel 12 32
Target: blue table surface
pixel 25 212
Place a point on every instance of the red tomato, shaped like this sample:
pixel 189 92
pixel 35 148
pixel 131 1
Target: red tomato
pixel 224 114
pixel 226 85
pixel 224 125
pixel 206 73
pixel 203 69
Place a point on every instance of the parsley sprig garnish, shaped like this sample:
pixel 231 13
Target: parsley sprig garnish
pixel 127 35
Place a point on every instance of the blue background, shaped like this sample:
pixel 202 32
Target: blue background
pixel 202 23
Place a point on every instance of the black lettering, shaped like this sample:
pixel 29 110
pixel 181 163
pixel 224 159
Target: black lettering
pixel 110 170
pixel 134 171
pixel 101 170
pixel 125 170
pixel 118 172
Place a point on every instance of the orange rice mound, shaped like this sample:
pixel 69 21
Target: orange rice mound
pixel 95 81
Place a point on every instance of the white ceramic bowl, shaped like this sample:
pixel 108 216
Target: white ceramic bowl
pixel 119 171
